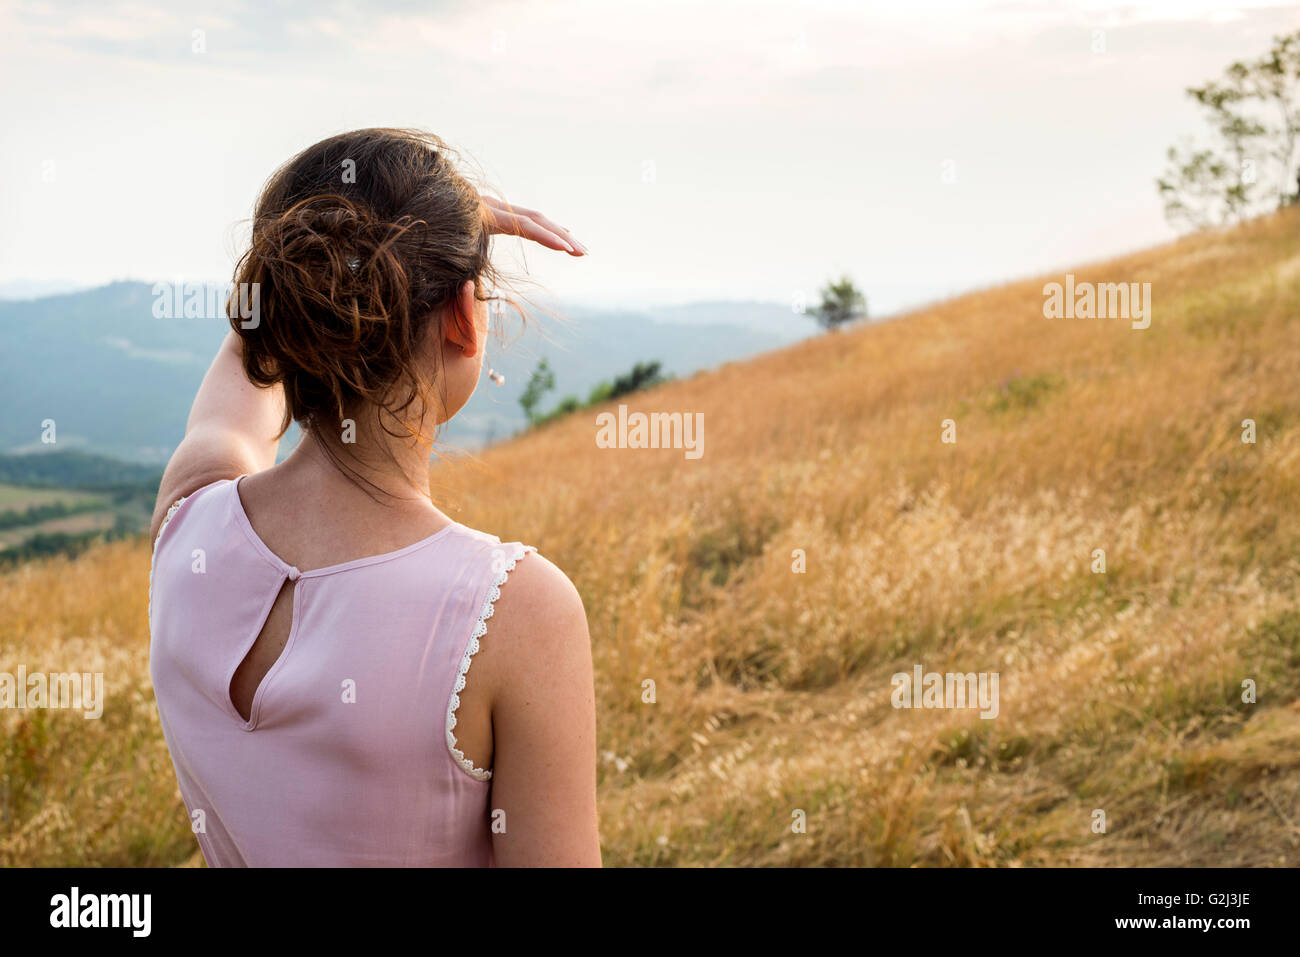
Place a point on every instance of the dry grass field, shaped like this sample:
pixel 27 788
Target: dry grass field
pixel 1119 692
pixel 16 497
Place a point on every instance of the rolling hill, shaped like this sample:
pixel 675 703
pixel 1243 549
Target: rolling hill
pixel 119 381
pixel 742 688
pixel 62 501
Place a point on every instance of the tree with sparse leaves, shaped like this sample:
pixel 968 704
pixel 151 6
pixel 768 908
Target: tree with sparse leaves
pixel 1250 168
pixel 841 301
pixel 539 383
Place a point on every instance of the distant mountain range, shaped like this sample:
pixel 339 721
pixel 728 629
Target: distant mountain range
pixel 117 381
pixel 35 288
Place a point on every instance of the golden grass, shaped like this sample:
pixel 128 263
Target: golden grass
pixel 1119 692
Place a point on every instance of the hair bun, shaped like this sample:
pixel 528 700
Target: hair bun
pixel 351 276
pixel 331 236
pixel 333 292
pixel 333 217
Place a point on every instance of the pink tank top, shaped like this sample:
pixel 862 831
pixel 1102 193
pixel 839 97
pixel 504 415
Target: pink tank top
pixel 348 758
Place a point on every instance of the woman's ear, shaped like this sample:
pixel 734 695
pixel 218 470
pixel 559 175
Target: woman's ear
pixel 460 329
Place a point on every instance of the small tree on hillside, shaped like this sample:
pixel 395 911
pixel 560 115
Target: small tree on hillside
pixel 1251 166
pixel 841 301
pixel 643 376
pixel 539 383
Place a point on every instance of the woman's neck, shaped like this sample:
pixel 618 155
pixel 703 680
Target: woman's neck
pixel 395 466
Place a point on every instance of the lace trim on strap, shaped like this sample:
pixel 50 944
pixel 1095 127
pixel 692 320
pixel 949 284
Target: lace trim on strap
pixel 154 554
pixel 480 629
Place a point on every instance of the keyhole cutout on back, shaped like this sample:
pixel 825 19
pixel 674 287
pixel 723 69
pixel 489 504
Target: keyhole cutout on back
pixel 265 652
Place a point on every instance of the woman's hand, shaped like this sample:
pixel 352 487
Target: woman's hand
pixel 507 220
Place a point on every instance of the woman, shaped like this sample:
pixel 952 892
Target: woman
pixel 313 623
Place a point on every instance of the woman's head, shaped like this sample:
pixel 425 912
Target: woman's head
pixel 369 254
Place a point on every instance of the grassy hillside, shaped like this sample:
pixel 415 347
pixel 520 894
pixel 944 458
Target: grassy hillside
pixel 1120 692
pixel 62 502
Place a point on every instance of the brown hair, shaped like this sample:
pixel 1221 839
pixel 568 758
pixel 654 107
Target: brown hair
pixel 358 243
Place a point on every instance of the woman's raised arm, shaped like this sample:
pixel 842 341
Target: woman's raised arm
pixel 233 429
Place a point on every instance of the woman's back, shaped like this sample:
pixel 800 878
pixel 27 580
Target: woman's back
pixel 345 755
pixel 313 621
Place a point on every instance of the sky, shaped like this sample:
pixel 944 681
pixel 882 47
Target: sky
pixel 702 150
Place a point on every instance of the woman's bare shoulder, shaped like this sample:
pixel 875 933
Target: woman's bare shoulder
pixel 538 629
pixel 539 598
